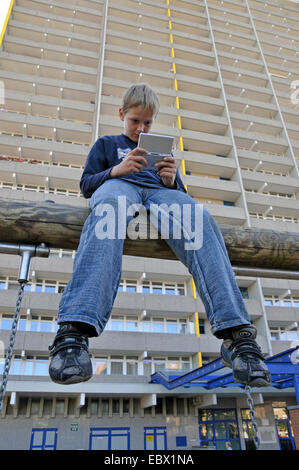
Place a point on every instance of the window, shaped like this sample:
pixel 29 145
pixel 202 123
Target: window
pixel 217 426
pixel 153 325
pixel 244 292
pixel 287 301
pixel 157 287
pixel 16 366
pixel 37 188
pixel 228 203
pixel 248 430
pixel 131 286
pixel 41 366
pixel 283 428
pixel 6 321
pixel 283 218
pixel 40 285
pixel 173 363
pixel 43 439
pixel 42 323
pixel 152 287
pixel 100 365
pixel 202 327
pixel 284 334
pixel 61 253
pixel 117 323
pixel 29 365
pixel 116 365
pixel 166 288
pixel 171 326
pixel 126 405
pixel 115 406
pixel 158 325
pixel 132 323
pixel 132 365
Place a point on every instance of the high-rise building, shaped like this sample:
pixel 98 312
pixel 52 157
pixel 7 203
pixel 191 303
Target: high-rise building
pixel 226 73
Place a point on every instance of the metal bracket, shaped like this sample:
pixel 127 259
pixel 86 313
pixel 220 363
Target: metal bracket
pixel 27 252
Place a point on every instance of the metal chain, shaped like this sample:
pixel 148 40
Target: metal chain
pixel 252 416
pixel 12 338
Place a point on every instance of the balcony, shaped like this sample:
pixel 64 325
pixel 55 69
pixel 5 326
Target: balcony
pixel 216 189
pixel 226 215
pixel 208 164
pixel 53 36
pixel 85 13
pixel 280 205
pixel 49 69
pixel 275 224
pixel 254 180
pixel 26 125
pixel 54 108
pixel 261 127
pixel 43 150
pixel 239 104
pixel 48 20
pixel 155 304
pixel 261 143
pixel 52 176
pixel 265 161
pixel 54 53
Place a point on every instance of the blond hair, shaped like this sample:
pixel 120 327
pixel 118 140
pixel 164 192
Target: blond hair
pixel 140 94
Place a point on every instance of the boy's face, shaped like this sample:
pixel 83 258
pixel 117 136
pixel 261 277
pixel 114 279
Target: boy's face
pixel 136 119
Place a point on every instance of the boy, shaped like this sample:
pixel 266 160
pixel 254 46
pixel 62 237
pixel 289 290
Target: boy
pixel 116 170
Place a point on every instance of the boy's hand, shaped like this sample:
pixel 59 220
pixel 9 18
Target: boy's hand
pixel 132 163
pixel 167 171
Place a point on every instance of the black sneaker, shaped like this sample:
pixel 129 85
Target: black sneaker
pixel 70 363
pixel 244 356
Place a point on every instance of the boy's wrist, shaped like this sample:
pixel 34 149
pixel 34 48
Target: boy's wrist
pixel 112 172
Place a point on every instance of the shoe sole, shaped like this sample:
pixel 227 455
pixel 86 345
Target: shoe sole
pixel 258 382
pixel 75 379
pixel 254 383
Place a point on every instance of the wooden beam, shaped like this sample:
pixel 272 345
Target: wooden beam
pixel 60 226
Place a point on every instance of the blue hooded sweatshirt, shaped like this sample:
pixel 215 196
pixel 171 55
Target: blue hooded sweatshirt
pixel 109 151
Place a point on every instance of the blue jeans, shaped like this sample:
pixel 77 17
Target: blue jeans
pixel 90 294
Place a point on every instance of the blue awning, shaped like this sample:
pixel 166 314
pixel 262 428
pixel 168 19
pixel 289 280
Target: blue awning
pixel 284 368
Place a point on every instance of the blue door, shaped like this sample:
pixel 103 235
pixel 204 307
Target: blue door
pixel 43 439
pixel 109 439
pixel 155 438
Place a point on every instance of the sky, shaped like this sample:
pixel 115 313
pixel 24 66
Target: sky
pixel 4 5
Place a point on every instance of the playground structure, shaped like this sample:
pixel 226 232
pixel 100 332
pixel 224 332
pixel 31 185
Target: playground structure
pixel 31 229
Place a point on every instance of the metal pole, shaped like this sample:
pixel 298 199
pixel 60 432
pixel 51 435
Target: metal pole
pixel 17 249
